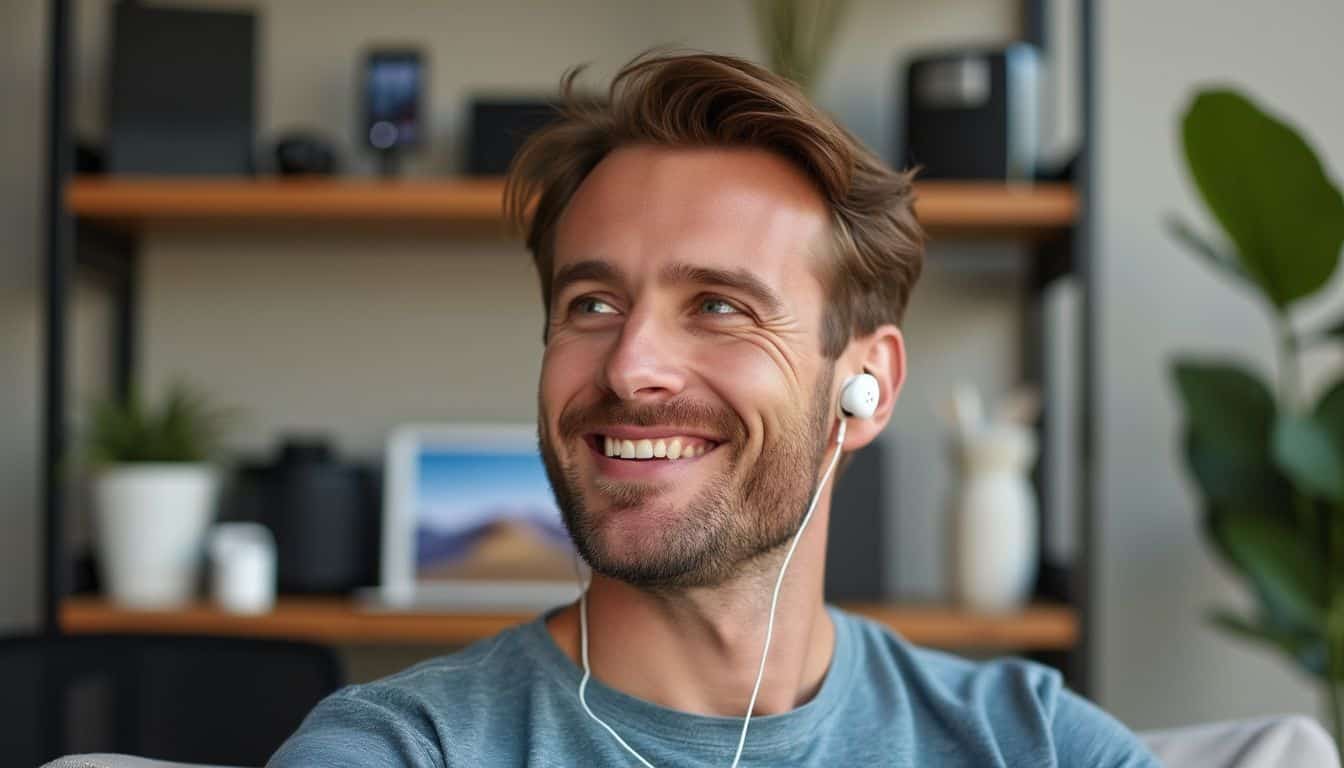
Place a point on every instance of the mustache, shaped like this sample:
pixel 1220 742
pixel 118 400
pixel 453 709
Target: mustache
pixel 686 413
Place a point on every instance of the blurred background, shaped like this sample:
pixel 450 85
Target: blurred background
pixel 310 317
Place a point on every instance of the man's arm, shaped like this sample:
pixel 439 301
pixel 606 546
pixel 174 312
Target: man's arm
pixel 1086 735
pixel 348 730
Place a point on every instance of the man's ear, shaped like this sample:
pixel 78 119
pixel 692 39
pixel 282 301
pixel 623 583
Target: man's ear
pixel 882 354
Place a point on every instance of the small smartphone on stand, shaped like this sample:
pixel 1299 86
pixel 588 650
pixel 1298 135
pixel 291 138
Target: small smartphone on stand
pixel 394 82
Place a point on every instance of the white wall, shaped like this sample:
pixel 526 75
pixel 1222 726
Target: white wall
pixel 1159 662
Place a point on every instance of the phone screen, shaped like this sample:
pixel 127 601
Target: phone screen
pixel 393 82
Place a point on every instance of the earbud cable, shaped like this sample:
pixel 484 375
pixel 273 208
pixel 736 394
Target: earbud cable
pixel 769 627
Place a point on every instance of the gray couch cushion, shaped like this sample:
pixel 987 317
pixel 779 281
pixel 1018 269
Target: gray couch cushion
pixel 116 761
pixel 1292 741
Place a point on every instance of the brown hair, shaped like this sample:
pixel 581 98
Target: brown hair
pixel 701 99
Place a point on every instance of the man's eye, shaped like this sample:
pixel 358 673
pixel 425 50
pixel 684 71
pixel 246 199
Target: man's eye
pixel 717 307
pixel 590 305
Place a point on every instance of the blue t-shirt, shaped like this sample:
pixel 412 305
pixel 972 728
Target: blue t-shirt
pixel 512 700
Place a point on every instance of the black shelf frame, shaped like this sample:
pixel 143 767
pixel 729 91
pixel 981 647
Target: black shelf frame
pixel 111 257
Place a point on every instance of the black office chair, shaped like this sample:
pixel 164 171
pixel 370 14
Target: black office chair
pixel 188 699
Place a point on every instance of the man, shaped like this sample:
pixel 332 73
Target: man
pixel 718 259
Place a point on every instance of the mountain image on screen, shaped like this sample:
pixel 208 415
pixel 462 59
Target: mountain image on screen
pixel 488 515
pixel 506 548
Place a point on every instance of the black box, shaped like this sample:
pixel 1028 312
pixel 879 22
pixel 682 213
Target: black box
pixel 499 126
pixel 182 96
pixel 973 114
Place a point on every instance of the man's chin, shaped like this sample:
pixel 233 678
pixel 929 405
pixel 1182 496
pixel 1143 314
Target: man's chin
pixel 641 544
pixel 642 568
pixel 634 524
pixel 626 496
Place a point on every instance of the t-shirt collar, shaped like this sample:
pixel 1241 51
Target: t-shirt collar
pixel 767 733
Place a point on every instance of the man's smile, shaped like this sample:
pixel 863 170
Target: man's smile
pixel 624 452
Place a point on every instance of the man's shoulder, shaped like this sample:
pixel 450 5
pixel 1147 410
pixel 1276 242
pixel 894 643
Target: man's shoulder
pixel 464 678
pixel 410 717
pixel 1020 708
pixel 951 675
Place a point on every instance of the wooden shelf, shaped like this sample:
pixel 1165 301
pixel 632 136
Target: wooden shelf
pixel 339 620
pixel 946 208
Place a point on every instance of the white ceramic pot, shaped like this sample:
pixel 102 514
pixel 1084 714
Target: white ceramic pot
pixel 996 528
pixel 150 522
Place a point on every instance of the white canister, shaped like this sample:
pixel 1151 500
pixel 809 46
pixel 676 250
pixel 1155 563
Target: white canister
pixel 242 567
pixel 151 521
pixel 995 521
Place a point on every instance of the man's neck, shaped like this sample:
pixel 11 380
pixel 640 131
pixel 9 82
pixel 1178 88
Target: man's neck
pixel 699 650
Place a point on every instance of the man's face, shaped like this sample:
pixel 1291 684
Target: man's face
pixel 684 338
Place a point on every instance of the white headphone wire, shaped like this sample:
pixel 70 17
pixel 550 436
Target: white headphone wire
pixel 587 674
pixel 769 628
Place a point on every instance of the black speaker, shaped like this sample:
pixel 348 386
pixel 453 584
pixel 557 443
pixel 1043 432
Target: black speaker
pixel 973 114
pixel 182 93
pixel 323 512
pixel 498 129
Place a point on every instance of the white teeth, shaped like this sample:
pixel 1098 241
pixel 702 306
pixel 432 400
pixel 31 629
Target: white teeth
pixel 672 449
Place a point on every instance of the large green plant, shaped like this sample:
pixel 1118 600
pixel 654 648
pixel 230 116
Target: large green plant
pixel 1268 458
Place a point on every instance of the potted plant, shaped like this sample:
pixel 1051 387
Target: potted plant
pixel 798 36
pixel 1268 458
pixel 154 492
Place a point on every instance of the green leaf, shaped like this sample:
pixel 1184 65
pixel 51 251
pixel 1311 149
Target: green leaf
pixel 1210 522
pixel 1329 415
pixel 1307 454
pixel 1329 410
pixel 1226 405
pixel 1230 476
pixel 1268 191
pixel 1279 564
pixel 1332 332
pixel 1216 255
pixel 1305 648
pixel 1229 425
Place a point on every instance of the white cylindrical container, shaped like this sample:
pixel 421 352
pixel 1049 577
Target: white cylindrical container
pixel 996 527
pixel 151 521
pixel 242 567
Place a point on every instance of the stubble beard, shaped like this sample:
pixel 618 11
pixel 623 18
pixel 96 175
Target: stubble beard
pixel 732 524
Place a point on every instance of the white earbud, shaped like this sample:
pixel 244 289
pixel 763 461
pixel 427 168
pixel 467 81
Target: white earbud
pixel 859 395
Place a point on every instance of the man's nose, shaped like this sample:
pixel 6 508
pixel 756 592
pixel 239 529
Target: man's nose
pixel 644 364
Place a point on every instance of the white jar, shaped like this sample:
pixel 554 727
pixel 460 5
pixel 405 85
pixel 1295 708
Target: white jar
pixel 995 522
pixel 242 567
pixel 150 521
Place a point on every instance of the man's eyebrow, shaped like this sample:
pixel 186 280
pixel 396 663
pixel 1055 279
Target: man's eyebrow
pixel 737 279
pixel 592 269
